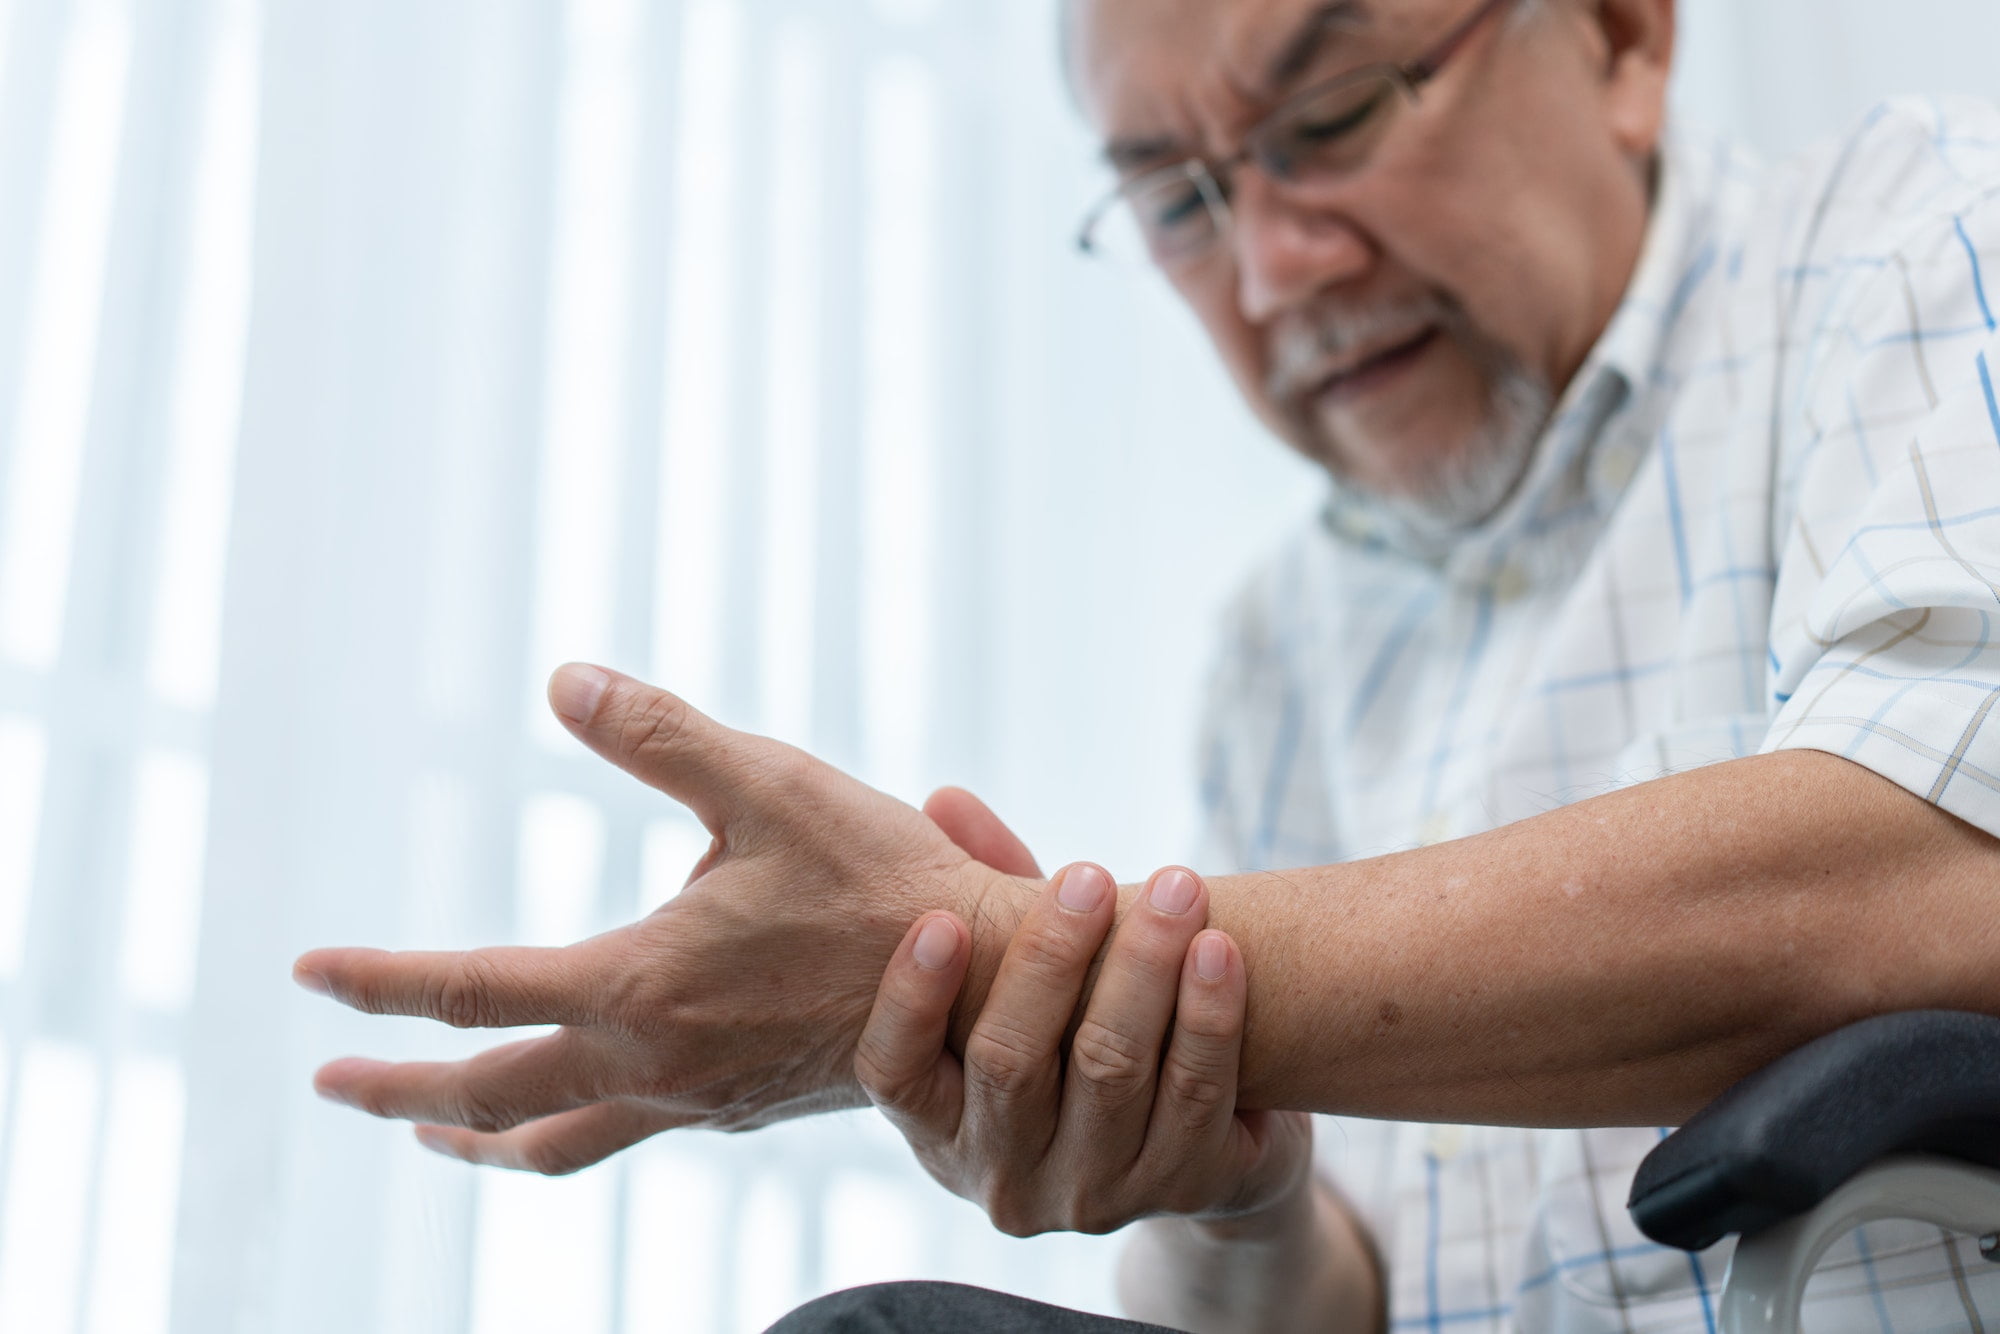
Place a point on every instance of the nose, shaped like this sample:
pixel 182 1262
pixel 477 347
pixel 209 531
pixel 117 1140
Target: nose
pixel 1289 249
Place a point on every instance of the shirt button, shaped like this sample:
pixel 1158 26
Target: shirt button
pixel 1445 1142
pixel 1510 583
pixel 1436 829
pixel 1614 470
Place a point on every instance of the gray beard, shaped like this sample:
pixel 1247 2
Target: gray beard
pixel 1471 483
pixel 1474 481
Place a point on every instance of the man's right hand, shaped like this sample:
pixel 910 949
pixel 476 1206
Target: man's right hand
pixel 1049 1130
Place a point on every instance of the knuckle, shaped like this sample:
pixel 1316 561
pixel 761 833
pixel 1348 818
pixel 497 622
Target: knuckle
pixel 1010 1213
pixel 904 1013
pixel 653 728
pixel 945 1168
pixel 463 995
pixel 1152 952
pixel 478 1111
pixel 1107 1059
pixel 635 1005
pixel 1093 1220
pixel 788 769
pixel 663 1081
pixel 548 1159
pixel 1200 1092
pixel 1050 951
pixel 1214 1027
pixel 1004 1062
pixel 884 1080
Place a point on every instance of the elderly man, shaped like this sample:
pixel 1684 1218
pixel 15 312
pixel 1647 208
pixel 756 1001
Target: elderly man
pixel 1628 704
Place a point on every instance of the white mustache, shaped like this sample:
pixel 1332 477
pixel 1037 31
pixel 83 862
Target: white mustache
pixel 1307 351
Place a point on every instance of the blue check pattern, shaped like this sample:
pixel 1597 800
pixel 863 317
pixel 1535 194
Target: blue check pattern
pixel 1766 515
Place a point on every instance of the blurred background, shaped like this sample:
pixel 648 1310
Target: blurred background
pixel 362 361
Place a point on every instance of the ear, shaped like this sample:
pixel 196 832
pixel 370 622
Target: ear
pixel 1637 39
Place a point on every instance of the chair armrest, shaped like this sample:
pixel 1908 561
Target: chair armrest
pixel 1780 1141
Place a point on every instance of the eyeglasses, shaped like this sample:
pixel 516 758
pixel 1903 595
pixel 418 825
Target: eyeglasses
pixel 1174 216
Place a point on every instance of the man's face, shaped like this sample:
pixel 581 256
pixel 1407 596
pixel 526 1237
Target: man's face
pixel 1410 324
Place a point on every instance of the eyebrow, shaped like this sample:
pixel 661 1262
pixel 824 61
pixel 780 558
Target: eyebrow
pixel 1133 154
pixel 1298 55
pixel 1294 58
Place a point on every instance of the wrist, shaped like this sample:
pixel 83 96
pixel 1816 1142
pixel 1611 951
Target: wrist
pixel 1287 1213
pixel 993 906
pixel 982 898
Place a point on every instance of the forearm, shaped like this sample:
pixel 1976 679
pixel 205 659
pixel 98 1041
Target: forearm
pixel 1616 961
pixel 1308 1267
pixel 1619 961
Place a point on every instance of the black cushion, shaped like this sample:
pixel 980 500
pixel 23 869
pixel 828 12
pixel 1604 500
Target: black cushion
pixel 1779 1142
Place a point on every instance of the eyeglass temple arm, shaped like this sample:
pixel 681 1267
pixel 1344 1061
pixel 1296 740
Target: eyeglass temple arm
pixel 1426 66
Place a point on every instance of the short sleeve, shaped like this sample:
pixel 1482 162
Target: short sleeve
pixel 1885 637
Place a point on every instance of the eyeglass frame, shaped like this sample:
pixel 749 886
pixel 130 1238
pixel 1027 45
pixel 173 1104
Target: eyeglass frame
pixel 1211 179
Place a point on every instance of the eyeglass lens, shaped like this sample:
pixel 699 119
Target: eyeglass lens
pixel 1174 215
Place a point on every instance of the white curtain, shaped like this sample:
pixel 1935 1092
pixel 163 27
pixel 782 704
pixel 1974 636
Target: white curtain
pixel 361 361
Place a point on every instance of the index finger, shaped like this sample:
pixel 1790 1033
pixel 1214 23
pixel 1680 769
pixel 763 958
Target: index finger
pixel 505 987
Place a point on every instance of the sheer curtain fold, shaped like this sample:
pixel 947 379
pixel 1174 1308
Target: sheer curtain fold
pixel 389 428
pixel 506 402
pixel 359 363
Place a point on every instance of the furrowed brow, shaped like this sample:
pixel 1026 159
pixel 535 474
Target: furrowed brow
pixel 1325 24
pixel 1306 45
pixel 1130 155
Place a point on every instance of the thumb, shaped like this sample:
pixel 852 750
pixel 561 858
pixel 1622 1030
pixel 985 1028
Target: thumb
pixel 900 1060
pixel 658 738
pixel 979 833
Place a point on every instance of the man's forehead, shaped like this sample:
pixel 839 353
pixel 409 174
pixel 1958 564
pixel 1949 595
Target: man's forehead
pixel 1132 59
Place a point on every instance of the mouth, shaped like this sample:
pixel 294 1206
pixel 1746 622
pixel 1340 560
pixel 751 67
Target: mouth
pixel 1373 371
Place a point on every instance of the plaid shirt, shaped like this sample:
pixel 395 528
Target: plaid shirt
pixel 1765 516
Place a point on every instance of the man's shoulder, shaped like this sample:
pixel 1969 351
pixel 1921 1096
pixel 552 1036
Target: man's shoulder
pixel 1909 163
pixel 1900 140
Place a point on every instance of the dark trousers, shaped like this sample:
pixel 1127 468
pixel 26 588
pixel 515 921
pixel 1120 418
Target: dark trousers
pixel 943 1308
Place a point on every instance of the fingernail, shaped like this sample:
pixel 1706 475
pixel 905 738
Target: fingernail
pixel 1211 959
pixel 574 691
pixel 1173 892
pixel 1083 887
pixel 314 982
pixel 334 1096
pixel 936 944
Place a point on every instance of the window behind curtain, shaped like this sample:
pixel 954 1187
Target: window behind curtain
pixel 490 335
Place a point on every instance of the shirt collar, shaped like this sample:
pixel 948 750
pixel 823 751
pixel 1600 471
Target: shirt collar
pixel 1604 423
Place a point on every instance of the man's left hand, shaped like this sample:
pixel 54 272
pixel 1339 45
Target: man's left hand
pixel 1131 1115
